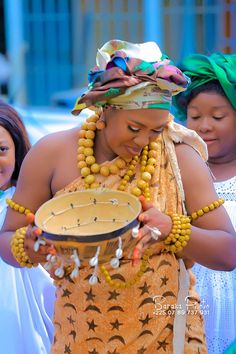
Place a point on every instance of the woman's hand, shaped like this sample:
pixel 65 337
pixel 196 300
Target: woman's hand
pixel 155 227
pixel 32 235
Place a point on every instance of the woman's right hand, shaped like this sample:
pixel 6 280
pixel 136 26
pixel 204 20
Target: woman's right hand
pixel 33 233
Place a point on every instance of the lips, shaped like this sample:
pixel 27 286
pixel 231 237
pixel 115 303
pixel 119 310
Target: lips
pixel 133 150
pixel 208 140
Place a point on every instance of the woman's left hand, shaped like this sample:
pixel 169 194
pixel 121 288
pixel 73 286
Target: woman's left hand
pixel 155 227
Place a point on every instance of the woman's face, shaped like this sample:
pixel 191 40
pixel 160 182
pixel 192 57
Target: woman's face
pixel 7 158
pixel 213 118
pixel 128 131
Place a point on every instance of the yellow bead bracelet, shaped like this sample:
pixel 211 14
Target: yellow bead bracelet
pixel 17 248
pixel 179 235
pixel 181 227
pixel 17 207
pixel 216 204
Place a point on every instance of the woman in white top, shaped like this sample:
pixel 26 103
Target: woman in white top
pixel 26 295
pixel 210 108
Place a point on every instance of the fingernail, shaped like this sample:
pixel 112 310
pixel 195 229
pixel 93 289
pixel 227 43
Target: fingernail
pixel 135 262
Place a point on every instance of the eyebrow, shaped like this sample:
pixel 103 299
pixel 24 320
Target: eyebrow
pixel 214 107
pixel 143 125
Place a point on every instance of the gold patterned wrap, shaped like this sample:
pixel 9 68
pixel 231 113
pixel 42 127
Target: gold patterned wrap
pixel 141 319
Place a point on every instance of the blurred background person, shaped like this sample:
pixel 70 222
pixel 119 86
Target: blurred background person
pixel 26 295
pixel 209 108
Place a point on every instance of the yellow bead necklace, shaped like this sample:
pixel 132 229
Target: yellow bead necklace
pixel 88 166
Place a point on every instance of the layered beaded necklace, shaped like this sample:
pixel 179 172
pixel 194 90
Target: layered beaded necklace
pixel 89 168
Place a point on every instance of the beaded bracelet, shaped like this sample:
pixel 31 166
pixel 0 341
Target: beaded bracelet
pixel 181 228
pixel 216 204
pixel 17 248
pixel 17 207
pixel 179 235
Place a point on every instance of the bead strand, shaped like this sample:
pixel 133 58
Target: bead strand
pixel 17 207
pixel 89 167
pixel 136 278
pixel 216 204
pixel 86 161
pixel 180 232
pixel 17 248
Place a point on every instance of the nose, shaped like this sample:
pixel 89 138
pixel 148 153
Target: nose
pixel 142 139
pixel 205 125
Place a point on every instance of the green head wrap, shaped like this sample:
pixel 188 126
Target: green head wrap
pixel 201 69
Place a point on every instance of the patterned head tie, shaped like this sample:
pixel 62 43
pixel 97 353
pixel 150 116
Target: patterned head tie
pixel 131 76
pixel 202 69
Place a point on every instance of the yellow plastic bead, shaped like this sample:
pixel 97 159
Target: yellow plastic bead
pixel 81 164
pixel 88 151
pixel 200 212
pixel 136 191
pixel 113 169
pixel 152 153
pixel 95 168
pixel 206 209
pixel 151 161
pixel 80 149
pixel 146 176
pixel 194 215
pixel 120 163
pixel 104 171
pixel 121 188
pixel 90 134
pixel 90 160
pixel 129 173
pixel 91 126
pixel 85 171
pixel 150 169
pixel 216 203
pixel 153 145
pixel 93 118
pixel 81 157
pixel 89 179
pixel 82 133
pixel 88 143
pixel 141 184
pixel 81 142
pixel 21 209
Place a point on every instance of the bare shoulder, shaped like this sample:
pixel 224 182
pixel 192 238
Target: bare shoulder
pixel 52 141
pixel 41 165
pixel 196 176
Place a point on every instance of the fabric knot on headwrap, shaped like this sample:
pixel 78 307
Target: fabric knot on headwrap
pixel 131 76
pixel 202 69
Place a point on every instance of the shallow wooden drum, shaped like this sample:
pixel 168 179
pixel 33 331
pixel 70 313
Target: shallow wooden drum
pixel 86 220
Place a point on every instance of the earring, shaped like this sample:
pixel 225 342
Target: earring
pixel 100 124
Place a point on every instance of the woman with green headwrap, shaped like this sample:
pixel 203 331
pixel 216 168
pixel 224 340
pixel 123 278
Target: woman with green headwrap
pixel 209 108
pixel 140 299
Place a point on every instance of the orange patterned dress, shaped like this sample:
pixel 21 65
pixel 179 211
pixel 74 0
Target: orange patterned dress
pixel 160 313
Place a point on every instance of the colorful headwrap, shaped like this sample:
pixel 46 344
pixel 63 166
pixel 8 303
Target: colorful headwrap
pixel 202 69
pixel 131 76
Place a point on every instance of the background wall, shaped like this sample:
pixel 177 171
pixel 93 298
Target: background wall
pixel 51 44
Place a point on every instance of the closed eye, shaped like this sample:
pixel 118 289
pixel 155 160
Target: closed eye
pixel 218 118
pixel 195 117
pixel 158 131
pixel 133 129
